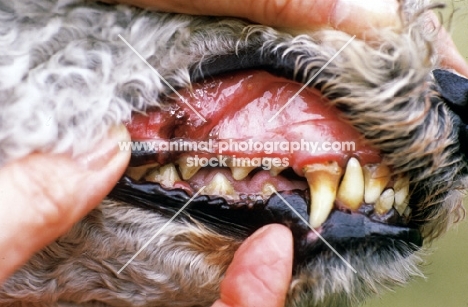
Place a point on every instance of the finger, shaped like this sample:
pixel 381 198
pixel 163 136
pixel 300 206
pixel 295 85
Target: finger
pixel 353 17
pixel 43 195
pixel 445 47
pixel 260 272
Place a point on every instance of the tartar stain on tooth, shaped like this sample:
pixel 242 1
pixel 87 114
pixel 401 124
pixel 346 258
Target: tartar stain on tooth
pixel 166 175
pixel 240 173
pixel 323 180
pixel 219 185
pixel 138 172
pixel 401 188
pixel 385 202
pixel 376 178
pixel 186 171
pixel 351 190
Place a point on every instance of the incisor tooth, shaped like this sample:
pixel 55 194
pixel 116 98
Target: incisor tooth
pixel 376 177
pixel 274 171
pixel 219 185
pixel 323 182
pixel 351 191
pixel 401 188
pixel 239 173
pixel 137 172
pixel 385 202
pixel 166 175
pixel 186 171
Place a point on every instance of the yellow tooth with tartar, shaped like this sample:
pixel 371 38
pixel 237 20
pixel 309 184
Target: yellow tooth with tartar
pixel 186 171
pixel 268 189
pixel 166 175
pixel 323 182
pixel 240 173
pixel 137 172
pixel 274 171
pixel 401 188
pixel 376 177
pixel 351 190
pixel 385 202
pixel 219 185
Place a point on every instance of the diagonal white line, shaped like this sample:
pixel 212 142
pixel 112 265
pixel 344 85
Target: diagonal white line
pixel 161 229
pixel 315 231
pixel 164 80
pixel 311 79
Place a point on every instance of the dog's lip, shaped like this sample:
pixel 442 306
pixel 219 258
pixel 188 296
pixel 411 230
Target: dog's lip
pixel 340 228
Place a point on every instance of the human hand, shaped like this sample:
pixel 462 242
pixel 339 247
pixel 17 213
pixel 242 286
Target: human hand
pixel 311 15
pixel 261 270
pixel 43 195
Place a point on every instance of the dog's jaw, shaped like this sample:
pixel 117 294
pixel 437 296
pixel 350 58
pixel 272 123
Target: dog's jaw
pixel 364 81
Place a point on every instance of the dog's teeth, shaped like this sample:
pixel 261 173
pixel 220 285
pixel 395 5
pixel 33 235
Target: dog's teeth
pixel 166 175
pixel 351 190
pixel 186 171
pixel 407 212
pixel 137 172
pixel 268 189
pixel 323 182
pixel 219 185
pixel 274 171
pixel 240 173
pixel 376 177
pixel 385 202
pixel 401 188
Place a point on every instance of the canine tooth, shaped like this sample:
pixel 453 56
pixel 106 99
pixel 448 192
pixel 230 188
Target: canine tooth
pixel 401 188
pixel 385 202
pixel 323 182
pixel 166 175
pixel 219 185
pixel 239 173
pixel 376 177
pixel 351 190
pixel 274 171
pixel 138 172
pixel 186 171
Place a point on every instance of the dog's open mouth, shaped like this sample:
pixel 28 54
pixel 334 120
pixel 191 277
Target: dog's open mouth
pixel 256 148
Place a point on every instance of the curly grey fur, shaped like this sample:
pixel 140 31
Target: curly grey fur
pixel 67 77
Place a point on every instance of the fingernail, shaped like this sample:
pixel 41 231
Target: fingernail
pixel 106 150
pixel 375 14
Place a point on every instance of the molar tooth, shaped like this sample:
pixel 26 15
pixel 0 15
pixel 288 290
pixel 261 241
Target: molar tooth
pixel 376 177
pixel 385 202
pixel 274 171
pixel 239 173
pixel 166 175
pixel 401 188
pixel 323 182
pixel 137 172
pixel 219 185
pixel 186 171
pixel 351 191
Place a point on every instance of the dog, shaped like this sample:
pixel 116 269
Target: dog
pixel 73 70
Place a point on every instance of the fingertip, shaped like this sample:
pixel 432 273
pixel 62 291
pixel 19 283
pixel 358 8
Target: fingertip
pixel 261 270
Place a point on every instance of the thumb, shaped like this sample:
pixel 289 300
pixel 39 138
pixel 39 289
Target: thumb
pixel 43 195
pixel 260 272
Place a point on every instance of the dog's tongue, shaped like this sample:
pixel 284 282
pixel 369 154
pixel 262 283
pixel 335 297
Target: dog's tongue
pixel 258 108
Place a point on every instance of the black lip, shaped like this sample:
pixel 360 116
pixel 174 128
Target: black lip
pixel 274 60
pixel 340 229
